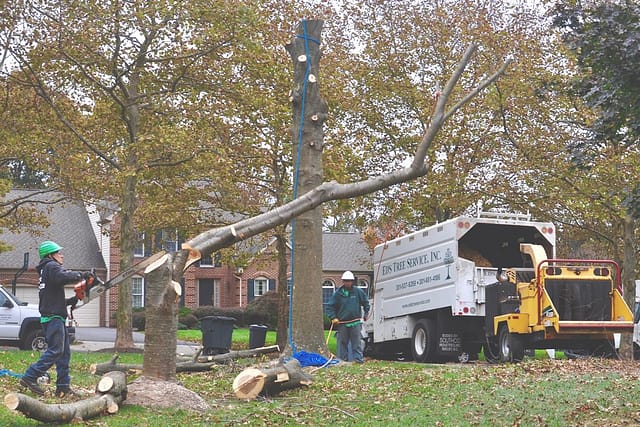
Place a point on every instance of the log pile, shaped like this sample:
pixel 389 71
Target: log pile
pixel 196 364
pixel 111 391
pixel 253 382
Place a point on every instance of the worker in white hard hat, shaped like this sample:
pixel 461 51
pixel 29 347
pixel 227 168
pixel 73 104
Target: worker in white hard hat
pixel 346 308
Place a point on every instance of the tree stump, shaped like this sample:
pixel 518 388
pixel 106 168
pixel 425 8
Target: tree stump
pixel 270 381
pixel 111 391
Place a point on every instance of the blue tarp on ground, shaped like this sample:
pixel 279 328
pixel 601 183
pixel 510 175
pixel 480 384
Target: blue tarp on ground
pixel 313 359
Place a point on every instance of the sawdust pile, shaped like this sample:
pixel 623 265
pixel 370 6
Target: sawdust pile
pixel 152 393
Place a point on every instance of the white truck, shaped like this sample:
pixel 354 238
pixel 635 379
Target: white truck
pixel 489 282
pixel 20 323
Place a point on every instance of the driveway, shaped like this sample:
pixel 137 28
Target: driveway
pixel 95 339
pixel 103 335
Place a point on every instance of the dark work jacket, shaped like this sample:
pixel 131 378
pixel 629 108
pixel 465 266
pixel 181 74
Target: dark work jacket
pixel 53 277
pixel 345 305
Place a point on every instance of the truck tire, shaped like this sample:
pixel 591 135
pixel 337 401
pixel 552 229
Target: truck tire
pixel 34 340
pixel 491 350
pixel 423 341
pixel 510 345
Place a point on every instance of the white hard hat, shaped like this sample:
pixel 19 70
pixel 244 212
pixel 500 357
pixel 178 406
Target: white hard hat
pixel 347 275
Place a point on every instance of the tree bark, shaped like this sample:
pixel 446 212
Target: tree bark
pixel 253 382
pixel 161 312
pixel 111 391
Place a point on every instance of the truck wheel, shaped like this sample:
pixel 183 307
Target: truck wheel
pixel 35 341
pixel 423 341
pixel 511 348
pixel 491 350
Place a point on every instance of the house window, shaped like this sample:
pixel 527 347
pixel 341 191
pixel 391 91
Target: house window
pixel 209 292
pixel 137 292
pixel 209 261
pixel 364 285
pixel 260 286
pixel 138 250
pixel 328 288
pixel 170 240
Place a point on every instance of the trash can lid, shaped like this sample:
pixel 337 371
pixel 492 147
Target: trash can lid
pixel 258 326
pixel 219 318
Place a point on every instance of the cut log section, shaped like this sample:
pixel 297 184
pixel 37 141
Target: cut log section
pixel 253 382
pixel 111 391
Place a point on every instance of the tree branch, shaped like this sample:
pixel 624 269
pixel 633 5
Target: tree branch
pixel 214 239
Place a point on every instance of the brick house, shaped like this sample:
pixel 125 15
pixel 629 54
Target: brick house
pixel 87 235
pixel 210 282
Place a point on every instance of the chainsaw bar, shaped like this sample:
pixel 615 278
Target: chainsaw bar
pixel 99 286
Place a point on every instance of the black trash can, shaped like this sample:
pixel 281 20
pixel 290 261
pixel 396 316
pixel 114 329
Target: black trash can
pixel 257 335
pixel 216 334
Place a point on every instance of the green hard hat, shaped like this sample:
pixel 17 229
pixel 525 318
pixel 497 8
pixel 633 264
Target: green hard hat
pixel 48 247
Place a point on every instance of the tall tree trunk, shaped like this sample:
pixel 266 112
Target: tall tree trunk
pixel 283 285
pixel 127 240
pixel 128 231
pixel 309 113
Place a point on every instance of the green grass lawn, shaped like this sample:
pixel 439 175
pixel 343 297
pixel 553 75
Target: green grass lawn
pixel 240 338
pixel 382 393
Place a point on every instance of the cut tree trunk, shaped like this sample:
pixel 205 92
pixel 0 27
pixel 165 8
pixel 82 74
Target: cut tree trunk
pixel 197 364
pixel 270 381
pixel 309 114
pixel 111 391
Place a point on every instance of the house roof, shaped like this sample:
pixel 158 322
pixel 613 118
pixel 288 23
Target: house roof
pixel 345 251
pixel 70 228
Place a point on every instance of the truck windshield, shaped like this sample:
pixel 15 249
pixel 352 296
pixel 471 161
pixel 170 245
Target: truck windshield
pixel 14 298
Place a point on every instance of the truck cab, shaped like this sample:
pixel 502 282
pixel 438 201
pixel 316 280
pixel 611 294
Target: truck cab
pixel 20 323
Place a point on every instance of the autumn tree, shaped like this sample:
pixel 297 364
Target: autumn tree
pixel 135 99
pixel 399 54
pixel 602 38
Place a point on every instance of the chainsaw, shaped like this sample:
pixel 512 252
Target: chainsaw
pixel 92 286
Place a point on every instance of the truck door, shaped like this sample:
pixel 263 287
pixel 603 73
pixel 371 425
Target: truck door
pixel 9 317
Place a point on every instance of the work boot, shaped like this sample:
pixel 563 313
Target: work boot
pixel 65 393
pixel 32 385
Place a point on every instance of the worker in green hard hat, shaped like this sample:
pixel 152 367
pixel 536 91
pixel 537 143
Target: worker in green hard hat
pixel 53 312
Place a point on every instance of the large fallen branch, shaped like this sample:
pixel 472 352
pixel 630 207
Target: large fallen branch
pixel 111 391
pixel 197 364
pixel 270 381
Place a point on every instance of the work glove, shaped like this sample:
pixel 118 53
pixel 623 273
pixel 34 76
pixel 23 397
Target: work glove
pixel 335 321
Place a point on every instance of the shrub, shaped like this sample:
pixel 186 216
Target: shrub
pixel 208 310
pixel 263 310
pixel 326 322
pixel 138 320
pixel 188 321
